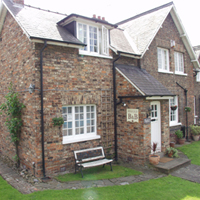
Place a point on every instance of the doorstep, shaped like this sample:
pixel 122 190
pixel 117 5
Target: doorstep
pixel 173 165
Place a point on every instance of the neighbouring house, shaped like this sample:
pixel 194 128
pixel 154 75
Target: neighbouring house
pixel 113 84
pixel 197 89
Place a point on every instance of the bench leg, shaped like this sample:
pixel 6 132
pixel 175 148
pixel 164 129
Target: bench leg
pixel 75 168
pixel 81 172
pixel 110 166
pixel 103 165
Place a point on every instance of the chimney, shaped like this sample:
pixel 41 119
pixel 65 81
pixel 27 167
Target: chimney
pixel 103 18
pixel 94 16
pixel 99 17
pixel 18 2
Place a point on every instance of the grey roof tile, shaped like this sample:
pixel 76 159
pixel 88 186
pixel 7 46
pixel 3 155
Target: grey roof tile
pixel 143 80
pixel 143 28
pixel 39 23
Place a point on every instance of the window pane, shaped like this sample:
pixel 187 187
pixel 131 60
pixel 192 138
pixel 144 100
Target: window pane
pixel 64 110
pixel 76 116
pixel 88 108
pixel 76 109
pixel 70 132
pixel 77 131
pixel 65 125
pixel 69 124
pixel 77 124
pixel 81 123
pixel 88 115
pixel 69 109
pixel 64 132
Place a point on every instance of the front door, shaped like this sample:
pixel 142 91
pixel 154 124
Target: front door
pixel 156 124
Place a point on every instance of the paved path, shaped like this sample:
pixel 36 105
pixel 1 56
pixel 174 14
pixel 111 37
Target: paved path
pixel 190 173
pixel 14 179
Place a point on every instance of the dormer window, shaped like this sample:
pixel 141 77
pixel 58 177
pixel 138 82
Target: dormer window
pixel 95 37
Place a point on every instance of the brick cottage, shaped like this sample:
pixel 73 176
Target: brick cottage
pixel 113 84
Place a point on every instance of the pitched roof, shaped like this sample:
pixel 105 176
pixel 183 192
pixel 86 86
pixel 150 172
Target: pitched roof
pixel 197 51
pixel 41 24
pixel 141 30
pixel 143 81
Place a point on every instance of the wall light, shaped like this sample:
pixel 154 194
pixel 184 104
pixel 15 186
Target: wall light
pixel 124 104
pixel 31 88
pixel 149 112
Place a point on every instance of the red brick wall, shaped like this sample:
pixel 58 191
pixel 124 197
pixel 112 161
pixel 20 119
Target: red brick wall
pixel 69 79
pixel 17 65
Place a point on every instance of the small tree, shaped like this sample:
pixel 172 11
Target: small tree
pixel 12 108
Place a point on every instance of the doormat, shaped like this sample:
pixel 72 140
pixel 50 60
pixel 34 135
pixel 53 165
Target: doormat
pixel 165 159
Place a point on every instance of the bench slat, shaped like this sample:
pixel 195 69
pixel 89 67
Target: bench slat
pixel 95 163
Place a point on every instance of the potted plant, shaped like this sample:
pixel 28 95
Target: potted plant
pixel 173 107
pixel 187 109
pixel 172 152
pixel 179 135
pixel 57 121
pixel 195 130
pixel 153 158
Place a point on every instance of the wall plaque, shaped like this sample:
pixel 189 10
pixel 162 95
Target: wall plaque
pixel 132 115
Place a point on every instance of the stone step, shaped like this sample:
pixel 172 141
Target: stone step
pixel 172 165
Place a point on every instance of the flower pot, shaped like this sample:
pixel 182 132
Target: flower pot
pixel 173 107
pixel 154 159
pixel 196 137
pixel 181 141
pixel 170 154
pixel 172 144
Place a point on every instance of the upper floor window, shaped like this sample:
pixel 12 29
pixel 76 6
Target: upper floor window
pixel 79 123
pixel 96 39
pixel 179 64
pixel 163 60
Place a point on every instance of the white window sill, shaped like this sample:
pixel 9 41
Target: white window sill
pixel 198 81
pixel 69 140
pixel 181 74
pixel 175 124
pixel 85 53
pixel 166 72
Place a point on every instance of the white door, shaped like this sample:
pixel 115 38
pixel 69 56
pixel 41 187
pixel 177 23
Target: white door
pixel 156 124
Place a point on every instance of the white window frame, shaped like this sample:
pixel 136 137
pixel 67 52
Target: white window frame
pixel 71 118
pixel 102 41
pixel 173 101
pixel 163 60
pixel 179 62
pixel 198 77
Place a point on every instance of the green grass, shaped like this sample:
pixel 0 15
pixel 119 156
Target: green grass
pixel 98 173
pixel 192 151
pixel 166 188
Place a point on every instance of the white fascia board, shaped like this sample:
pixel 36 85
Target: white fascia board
pixel 130 82
pixel 164 18
pixel 3 12
pixel 184 36
pixel 56 43
pixel 159 97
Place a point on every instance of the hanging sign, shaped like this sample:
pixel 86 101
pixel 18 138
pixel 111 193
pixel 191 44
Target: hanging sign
pixel 132 115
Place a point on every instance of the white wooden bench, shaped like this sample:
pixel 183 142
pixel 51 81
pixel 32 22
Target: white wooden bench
pixel 90 158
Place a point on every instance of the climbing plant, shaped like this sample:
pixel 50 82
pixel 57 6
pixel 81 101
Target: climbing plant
pixel 12 108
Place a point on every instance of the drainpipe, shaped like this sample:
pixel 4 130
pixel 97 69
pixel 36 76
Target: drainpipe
pixel 115 106
pixel 42 111
pixel 185 91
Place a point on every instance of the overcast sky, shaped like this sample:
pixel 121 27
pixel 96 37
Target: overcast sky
pixel 115 11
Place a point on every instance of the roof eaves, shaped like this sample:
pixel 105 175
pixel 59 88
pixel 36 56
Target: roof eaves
pixel 58 41
pixel 184 37
pixel 3 12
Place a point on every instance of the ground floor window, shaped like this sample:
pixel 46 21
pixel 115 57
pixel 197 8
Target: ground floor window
pixel 173 112
pixel 79 123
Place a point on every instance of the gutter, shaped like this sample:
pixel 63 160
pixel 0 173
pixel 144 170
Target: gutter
pixel 115 106
pixel 42 110
pixel 185 91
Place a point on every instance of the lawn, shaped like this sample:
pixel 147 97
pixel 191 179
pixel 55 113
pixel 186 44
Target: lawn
pixel 163 188
pixel 98 173
pixel 192 151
